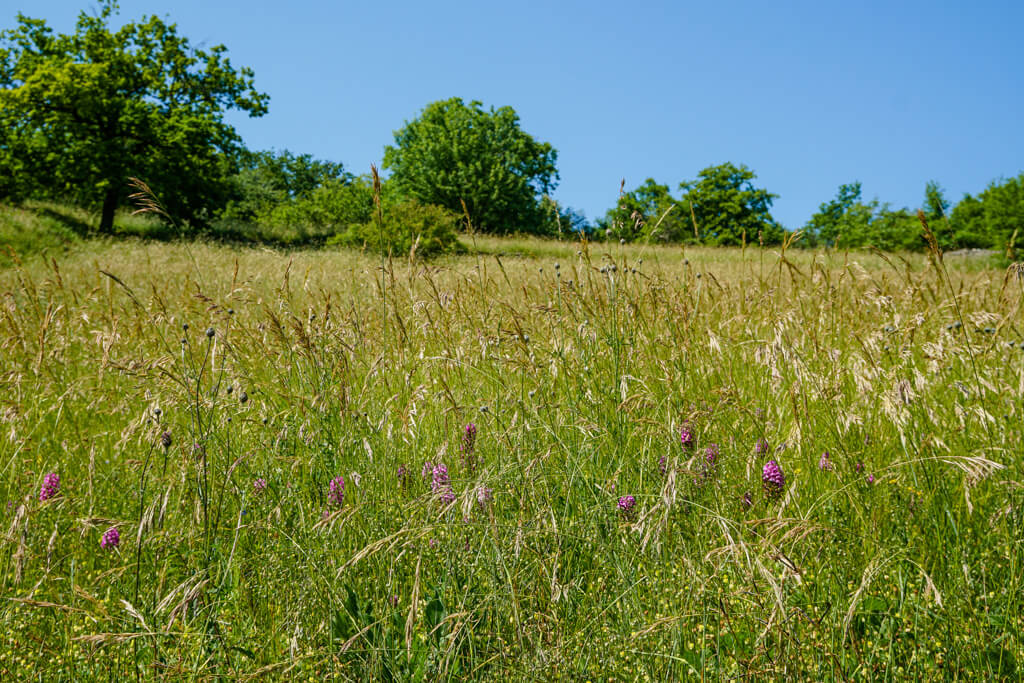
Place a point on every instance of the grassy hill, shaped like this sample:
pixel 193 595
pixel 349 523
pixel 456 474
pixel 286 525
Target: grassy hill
pixel 682 464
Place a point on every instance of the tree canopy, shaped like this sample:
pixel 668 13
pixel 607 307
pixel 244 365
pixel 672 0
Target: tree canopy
pixel 720 207
pixel 848 221
pixel 729 208
pixel 648 212
pixel 995 218
pixel 81 113
pixel 456 152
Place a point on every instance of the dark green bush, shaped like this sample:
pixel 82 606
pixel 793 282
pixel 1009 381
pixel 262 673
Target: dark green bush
pixel 406 225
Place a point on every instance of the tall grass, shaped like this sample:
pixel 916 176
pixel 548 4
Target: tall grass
pixel 897 557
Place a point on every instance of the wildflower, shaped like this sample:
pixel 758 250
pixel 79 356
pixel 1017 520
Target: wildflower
pixel 51 486
pixel 711 456
pixel 626 505
pixel 859 467
pixel 165 440
pixel 484 496
pixel 433 543
pixel 663 465
pixel 446 495
pixel 402 474
pixel 871 479
pixel 428 467
pixel 111 538
pixel 761 447
pixel 748 501
pixel 824 462
pixel 773 479
pixel 337 491
pixel 686 435
pixel 260 485
pixel 440 484
pixel 440 475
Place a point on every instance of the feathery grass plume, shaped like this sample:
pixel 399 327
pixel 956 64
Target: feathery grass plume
pixel 145 200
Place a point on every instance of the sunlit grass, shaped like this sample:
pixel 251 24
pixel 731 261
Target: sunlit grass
pixel 578 366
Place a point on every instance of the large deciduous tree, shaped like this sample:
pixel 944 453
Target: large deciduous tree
pixel 81 113
pixel 456 152
pixel 649 212
pixel 727 206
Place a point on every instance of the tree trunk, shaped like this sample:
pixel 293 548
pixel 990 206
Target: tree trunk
pixel 109 206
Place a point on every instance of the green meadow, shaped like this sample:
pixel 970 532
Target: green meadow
pixel 684 463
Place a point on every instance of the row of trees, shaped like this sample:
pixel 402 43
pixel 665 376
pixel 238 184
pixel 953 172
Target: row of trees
pixel 723 206
pixel 81 113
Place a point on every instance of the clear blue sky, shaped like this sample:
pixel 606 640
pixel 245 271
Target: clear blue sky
pixel 808 94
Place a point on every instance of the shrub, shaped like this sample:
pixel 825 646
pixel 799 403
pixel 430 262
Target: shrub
pixel 406 225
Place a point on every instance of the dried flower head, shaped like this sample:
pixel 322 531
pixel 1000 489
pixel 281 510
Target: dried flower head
pixel 469 447
pixel 165 440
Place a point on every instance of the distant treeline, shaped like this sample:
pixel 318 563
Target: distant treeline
pixel 724 207
pixel 82 113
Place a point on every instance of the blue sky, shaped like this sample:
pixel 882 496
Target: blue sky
pixel 808 94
